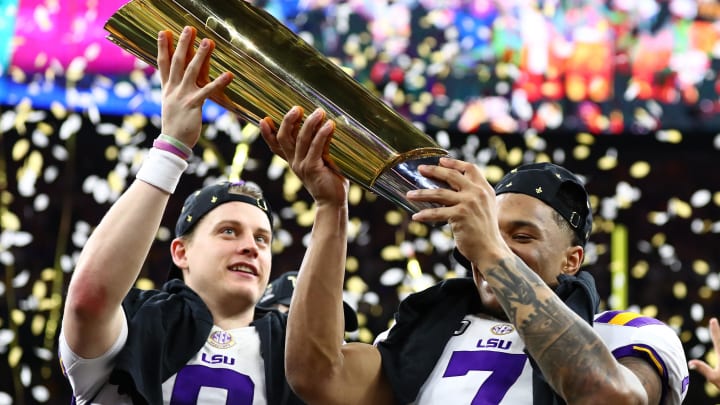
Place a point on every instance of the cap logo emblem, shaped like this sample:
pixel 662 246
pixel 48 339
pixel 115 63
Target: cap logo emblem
pixel 189 218
pixel 213 199
pixel 538 190
pixel 574 219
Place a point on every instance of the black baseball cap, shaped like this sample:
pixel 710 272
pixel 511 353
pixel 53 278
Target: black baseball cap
pixel 206 199
pixel 555 186
pixel 280 291
pixel 210 197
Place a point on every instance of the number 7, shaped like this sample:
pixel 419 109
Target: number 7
pixel 505 369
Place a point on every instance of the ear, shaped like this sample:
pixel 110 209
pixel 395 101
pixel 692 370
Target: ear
pixel 574 256
pixel 178 250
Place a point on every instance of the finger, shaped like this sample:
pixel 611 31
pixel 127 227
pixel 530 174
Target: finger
pixel 450 175
pixel 308 132
pixel 267 131
pixel 190 53
pixel 320 144
pixel 458 165
pixel 216 86
pixel 440 196
pixel 164 55
pixel 715 334
pixel 468 170
pixel 179 61
pixel 200 64
pixel 267 124
pixel 204 73
pixel 434 214
pixel 195 67
pixel 701 367
pixel 326 145
pixel 288 130
pixel 194 78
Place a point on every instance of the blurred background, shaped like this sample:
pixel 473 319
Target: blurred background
pixel 624 93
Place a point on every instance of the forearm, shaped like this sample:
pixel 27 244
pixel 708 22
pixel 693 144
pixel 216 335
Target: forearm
pixel 560 341
pixel 316 324
pixel 111 260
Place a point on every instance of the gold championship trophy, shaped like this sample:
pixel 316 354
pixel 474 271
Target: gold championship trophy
pixel 275 69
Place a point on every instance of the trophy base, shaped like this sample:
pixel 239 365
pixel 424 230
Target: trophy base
pixel 395 182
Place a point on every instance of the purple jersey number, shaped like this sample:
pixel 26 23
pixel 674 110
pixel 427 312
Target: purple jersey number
pixel 505 369
pixel 240 388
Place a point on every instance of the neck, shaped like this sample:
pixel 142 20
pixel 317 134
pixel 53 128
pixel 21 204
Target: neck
pixel 230 314
pixel 232 321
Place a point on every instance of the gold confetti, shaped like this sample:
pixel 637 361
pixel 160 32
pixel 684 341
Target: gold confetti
pixel 38 324
pixel 680 290
pixel 356 284
pixel 701 267
pixel 20 149
pixel 391 253
pixel 14 356
pixel 640 169
pixel 581 152
pixel 352 264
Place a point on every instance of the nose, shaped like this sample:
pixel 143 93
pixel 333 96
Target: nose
pixel 247 244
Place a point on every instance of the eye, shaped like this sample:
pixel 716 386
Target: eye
pixel 227 231
pixel 262 239
pixel 522 237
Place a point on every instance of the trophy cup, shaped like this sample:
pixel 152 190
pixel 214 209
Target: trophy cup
pixel 275 69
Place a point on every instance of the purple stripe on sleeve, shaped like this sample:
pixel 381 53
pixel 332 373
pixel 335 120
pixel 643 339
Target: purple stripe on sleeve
pixel 643 321
pixel 606 317
pixel 648 354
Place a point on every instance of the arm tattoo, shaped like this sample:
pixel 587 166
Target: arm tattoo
pixel 560 342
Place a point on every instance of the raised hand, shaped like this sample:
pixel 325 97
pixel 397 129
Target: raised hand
pixel 468 206
pixel 184 76
pixel 711 374
pixel 304 146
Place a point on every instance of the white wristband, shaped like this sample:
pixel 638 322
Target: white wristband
pixel 162 169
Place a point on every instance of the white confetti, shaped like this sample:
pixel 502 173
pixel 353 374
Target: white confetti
pixel 701 198
pixel 50 174
pixel 40 393
pixel 59 152
pixel 25 375
pixel 70 126
pixel 392 276
pixel 6 337
pixel 7 258
pixel 21 279
pixel 39 139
